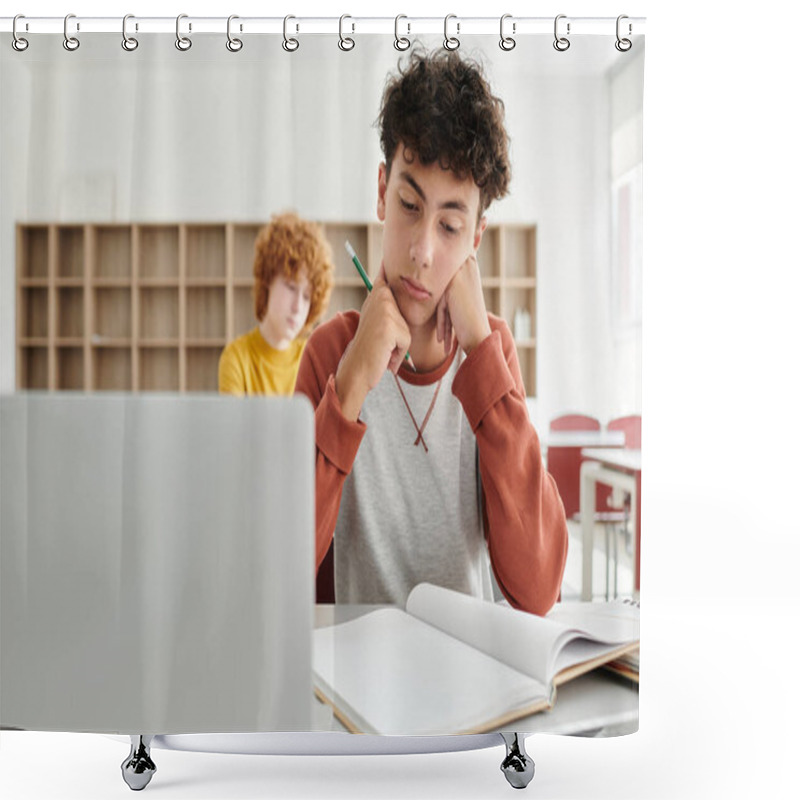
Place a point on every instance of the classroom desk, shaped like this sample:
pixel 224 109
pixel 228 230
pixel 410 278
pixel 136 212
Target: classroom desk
pixel 617 468
pixel 564 461
pixel 584 439
pixel 585 706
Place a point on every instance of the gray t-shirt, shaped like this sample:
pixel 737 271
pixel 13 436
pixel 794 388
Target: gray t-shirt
pixel 406 515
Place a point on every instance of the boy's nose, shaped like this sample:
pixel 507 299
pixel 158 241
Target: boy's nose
pixel 422 248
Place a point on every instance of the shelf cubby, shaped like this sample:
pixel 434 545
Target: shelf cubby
pixel 243 245
pixel 489 254
pixel 205 252
pixel 244 318
pixel 32 242
pixel 158 313
pixel 69 366
pixel 159 369
pixel 205 313
pixel 158 248
pixel 112 369
pixel 70 252
pixel 202 368
pixel 34 313
pixel 112 253
pixel 33 368
pixel 70 313
pixel 112 314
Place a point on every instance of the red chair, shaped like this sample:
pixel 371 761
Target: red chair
pixel 574 422
pixel 564 463
pixel 631 426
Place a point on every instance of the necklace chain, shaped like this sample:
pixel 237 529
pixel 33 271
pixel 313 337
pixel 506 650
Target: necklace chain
pixel 419 429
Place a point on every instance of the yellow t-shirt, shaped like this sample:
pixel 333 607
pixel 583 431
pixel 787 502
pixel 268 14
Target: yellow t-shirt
pixel 248 365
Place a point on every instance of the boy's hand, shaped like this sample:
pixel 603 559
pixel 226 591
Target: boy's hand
pixel 462 309
pixel 381 342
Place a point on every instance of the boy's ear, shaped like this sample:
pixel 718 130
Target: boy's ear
pixel 481 227
pixel 382 180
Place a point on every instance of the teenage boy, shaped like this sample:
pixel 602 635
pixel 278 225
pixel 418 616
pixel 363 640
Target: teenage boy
pixel 432 472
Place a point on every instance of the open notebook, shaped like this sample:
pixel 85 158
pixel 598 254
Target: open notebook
pixel 452 663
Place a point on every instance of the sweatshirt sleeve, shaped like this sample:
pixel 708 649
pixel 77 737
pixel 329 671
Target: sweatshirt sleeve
pixel 526 527
pixel 337 438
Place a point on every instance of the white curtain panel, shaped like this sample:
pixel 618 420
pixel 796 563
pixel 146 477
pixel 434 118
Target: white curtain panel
pixel 104 137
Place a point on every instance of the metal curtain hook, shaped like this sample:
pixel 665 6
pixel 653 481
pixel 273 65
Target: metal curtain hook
pixel 17 42
pixel 182 42
pixel 129 43
pixel 71 43
pixel 345 42
pixel 233 44
pixel 623 45
pixel 401 42
pixel 289 44
pixel 451 42
pixel 561 43
pixel 507 42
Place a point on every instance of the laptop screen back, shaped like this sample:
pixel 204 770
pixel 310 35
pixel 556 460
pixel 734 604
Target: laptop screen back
pixel 156 563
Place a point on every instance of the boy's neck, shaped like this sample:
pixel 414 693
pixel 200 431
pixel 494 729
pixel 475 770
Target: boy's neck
pixel 426 352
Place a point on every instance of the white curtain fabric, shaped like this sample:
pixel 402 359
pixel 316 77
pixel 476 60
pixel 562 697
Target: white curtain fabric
pixel 157 135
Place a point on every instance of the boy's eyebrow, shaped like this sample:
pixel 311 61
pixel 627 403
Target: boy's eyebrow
pixel 457 205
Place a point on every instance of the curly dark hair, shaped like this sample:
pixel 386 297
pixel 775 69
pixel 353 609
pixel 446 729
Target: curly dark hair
pixel 441 109
pixel 284 246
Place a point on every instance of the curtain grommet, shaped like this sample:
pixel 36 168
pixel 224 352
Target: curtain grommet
pixel 183 43
pixel 289 44
pixel 346 43
pixel 561 43
pixel 129 43
pixel 401 42
pixel 623 44
pixel 19 43
pixel 233 44
pixel 71 43
pixel 451 42
pixel 507 43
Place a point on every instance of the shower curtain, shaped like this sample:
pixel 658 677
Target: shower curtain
pixel 134 182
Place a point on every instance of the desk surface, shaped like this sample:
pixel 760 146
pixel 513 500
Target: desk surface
pixel 584 439
pixel 584 706
pixel 615 457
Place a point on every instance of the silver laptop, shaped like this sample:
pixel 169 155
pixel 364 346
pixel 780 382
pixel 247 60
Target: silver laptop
pixel 156 563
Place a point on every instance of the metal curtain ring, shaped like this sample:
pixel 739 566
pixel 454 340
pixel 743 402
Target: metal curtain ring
pixel 345 42
pixel 561 43
pixel 400 42
pixel 289 44
pixel 451 42
pixel 17 42
pixel 233 44
pixel 71 43
pixel 129 43
pixel 506 42
pixel 623 45
pixel 183 43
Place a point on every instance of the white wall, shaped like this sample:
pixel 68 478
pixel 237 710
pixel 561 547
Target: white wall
pixel 104 135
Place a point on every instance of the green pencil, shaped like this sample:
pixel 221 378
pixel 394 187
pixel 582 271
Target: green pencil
pixel 368 284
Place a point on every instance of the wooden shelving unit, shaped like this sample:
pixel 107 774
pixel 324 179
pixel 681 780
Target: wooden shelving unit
pixel 149 307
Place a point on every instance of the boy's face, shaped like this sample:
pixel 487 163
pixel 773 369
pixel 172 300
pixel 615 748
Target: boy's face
pixel 288 305
pixel 431 226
